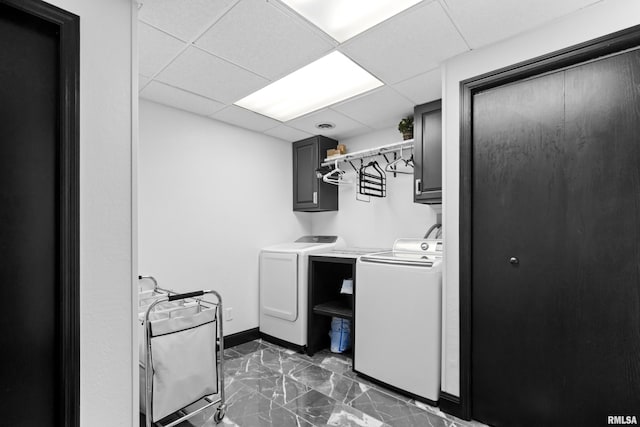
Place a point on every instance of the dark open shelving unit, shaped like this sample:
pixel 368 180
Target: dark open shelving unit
pixel 326 274
pixel 334 309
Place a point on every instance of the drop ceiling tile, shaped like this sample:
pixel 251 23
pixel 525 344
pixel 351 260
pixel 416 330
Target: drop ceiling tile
pixel 410 43
pixel 178 98
pixel 354 133
pixel 156 49
pixel 379 109
pixel 142 81
pixel 245 118
pixel 202 73
pixel 287 133
pixel 184 18
pixel 487 21
pixel 422 88
pixel 260 37
pixel 343 124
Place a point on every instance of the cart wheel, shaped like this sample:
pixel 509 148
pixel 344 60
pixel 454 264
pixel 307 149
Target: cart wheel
pixel 218 416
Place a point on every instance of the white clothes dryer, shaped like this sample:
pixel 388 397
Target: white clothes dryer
pixel 283 281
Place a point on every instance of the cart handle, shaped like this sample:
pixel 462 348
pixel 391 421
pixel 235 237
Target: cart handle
pixel 187 295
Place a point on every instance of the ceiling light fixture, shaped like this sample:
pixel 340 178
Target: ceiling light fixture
pixel 326 81
pixel 344 19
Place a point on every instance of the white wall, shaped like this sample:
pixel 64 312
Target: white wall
pixel 106 353
pixel 210 196
pixel 378 223
pixel 589 23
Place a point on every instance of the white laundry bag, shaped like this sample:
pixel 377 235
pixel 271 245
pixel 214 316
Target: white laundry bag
pixel 163 310
pixel 183 352
pixel 146 298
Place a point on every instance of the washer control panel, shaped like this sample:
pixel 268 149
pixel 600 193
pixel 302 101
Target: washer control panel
pixel 421 246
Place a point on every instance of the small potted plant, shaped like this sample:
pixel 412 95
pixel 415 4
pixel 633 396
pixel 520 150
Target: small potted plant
pixel 406 127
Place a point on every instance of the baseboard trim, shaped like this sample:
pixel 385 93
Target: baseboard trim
pixel 241 337
pixel 451 405
pixel 283 343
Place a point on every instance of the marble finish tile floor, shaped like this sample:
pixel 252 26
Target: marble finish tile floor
pixel 268 385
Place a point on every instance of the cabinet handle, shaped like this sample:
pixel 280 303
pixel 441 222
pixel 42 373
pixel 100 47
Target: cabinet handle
pixel 315 197
pixel 418 187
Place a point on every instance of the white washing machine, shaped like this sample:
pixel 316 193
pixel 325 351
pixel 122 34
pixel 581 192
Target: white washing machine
pixel 283 287
pixel 398 317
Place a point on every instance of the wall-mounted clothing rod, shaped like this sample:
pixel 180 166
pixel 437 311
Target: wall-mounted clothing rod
pixel 370 152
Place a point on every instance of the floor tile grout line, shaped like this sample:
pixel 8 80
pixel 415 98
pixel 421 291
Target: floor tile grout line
pixel 298 416
pixel 349 403
pixel 284 407
pixel 311 361
pixel 306 419
pixel 352 380
pixel 313 388
pixel 337 402
pixel 277 373
pixel 310 387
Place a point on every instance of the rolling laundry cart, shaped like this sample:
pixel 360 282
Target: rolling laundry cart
pixel 178 363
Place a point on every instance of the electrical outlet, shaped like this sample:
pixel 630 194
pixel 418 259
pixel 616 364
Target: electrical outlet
pixel 228 314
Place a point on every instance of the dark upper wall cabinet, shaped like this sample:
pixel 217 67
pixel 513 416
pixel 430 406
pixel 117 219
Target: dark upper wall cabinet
pixel 427 137
pixel 310 193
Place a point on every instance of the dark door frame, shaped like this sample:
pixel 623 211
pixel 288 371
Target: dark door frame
pixel 69 214
pixel 586 51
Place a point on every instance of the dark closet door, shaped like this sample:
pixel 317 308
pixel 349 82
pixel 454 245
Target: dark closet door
pixel 602 131
pixel 556 247
pixel 32 391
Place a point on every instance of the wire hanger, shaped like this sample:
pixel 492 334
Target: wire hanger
pixel 393 166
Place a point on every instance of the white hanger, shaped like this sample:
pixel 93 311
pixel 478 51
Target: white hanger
pixel 336 176
pixel 393 166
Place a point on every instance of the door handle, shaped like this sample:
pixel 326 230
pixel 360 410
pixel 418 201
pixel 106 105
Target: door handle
pixel 514 260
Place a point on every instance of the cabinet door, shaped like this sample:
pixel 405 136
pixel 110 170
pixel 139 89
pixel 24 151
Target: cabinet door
pixel 310 194
pixel 305 182
pixel 428 153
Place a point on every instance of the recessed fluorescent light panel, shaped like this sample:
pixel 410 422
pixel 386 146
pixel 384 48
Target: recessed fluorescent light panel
pixel 343 19
pixel 326 81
